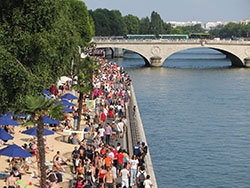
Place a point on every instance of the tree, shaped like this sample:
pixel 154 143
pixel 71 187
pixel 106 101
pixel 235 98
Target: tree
pixel 83 70
pixel 231 30
pixel 102 22
pixel 116 23
pixel 167 28
pixel 81 20
pixel 37 42
pixel 108 22
pixel 15 81
pixel 177 30
pixel 132 24
pixel 156 24
pixel 37 107
pixel 193 29
pixel 144 25
pixel 36 37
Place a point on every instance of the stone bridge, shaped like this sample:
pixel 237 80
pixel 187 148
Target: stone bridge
pixel 155 52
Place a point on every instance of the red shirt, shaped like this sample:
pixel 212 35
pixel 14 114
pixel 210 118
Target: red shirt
pixel 103 116
pixel 115 153
pixel 120 158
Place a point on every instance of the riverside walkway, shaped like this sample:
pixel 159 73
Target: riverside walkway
pixel 113 98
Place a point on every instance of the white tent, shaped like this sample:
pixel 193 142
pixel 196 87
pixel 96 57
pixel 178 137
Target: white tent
pixel 63 80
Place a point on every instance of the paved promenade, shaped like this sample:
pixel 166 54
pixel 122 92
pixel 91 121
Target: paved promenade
pixel 107 146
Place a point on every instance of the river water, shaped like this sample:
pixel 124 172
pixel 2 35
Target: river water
pixel 196 115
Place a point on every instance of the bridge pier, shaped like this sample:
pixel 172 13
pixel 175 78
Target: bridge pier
pixel 247 62
pixel 156 61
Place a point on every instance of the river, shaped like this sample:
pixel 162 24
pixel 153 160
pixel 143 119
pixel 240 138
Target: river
pixel 196 115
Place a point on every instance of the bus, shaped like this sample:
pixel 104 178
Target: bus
pixel 140 37
pixel 174 37
pixel 199 36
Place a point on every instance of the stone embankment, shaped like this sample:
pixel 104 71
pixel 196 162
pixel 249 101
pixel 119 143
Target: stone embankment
pixel 136 133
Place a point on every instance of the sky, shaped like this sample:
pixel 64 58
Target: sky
pixel 179 10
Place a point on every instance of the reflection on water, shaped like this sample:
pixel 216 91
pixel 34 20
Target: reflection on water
pixel 196 115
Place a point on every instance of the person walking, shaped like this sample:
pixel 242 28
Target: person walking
pixel 147 183
pixel 109 179
pixel 108 132
pixel 141 176
pixel 125 176
pixel 133 169
pixel 75 158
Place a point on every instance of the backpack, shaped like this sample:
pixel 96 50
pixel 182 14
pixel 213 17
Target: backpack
pixel 141 177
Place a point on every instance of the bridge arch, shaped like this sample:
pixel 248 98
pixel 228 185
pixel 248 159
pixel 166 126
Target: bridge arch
pixel 235 60
pixel 146 60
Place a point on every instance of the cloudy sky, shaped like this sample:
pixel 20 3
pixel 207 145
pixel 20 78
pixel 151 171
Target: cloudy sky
pixel 179 10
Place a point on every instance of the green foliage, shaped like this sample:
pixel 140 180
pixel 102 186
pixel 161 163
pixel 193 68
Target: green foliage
pixel 108 23
pixel 84 69
pixel 38 106
pixel 144 25
pixel 15 82
pixel 81 21
pixel 231 30
pixel 37 42
pixel 102 22
pixel 132 24
pixel 192 29
pixel 176 30
pixel 156 24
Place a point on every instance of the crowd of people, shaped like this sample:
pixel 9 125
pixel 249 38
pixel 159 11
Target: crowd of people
pixel 104 162
pixel 99 160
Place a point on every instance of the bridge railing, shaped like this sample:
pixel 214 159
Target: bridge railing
pixel 188 41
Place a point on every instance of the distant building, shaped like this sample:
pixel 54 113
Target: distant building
pixel 212 25
pixel 183 24
pixel 247 21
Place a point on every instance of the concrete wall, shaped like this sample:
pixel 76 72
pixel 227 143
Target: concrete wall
pixel 142 137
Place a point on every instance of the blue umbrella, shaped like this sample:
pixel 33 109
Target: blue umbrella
pixel 46 92
pixel 14 151
pixel 13 114
pixel 33 132
pixel 21 115
pixel 67 103
pixel 68 110
pixel 4 135
pixel 6 120
pixel 47 120
pixel 68 96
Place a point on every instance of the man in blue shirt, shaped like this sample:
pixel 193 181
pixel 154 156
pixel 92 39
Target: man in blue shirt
pixel 137 149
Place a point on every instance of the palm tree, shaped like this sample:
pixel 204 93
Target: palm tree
pixel 83 69
pixel 37 106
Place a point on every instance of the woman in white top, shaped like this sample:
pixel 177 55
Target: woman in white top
pixel 133 169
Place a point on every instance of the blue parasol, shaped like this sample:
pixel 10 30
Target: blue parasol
pixel 4 135
pixel 68 96
pixel 68 110
pixel 14 151
pixel 67 103
pixel 33 132
pixel 6 120
pixel 46 92
pixel 48 120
